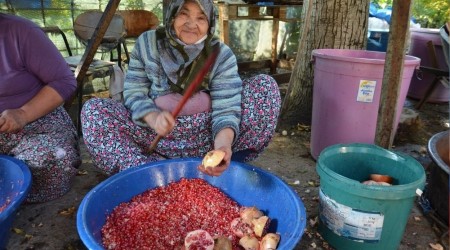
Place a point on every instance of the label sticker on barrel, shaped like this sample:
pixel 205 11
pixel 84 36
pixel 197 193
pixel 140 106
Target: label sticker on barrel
pixel 366 91
pixel 354 224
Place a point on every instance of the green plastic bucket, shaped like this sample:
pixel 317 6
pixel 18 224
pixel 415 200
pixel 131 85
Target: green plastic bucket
pixel 353 215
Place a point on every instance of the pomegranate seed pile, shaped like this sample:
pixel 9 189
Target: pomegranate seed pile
pixel 3 207
pixel 160 218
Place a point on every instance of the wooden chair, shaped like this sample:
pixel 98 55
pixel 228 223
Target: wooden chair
pixel 84 27
pixel 136 23
pixel 57 31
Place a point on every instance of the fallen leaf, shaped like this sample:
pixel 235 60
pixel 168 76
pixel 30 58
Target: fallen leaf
pixel 296 182
pixel 301 127
pixel 313 222
pixel 28 236
pixel 67 212
pixel 82 172
pixel 436 246
pixel 417 218
pixel 18 230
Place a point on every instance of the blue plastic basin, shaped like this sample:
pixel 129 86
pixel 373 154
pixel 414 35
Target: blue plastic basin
pixel 248 185
pixel 15 182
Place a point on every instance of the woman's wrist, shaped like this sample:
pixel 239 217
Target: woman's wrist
pixel 224 138
pixel 150 119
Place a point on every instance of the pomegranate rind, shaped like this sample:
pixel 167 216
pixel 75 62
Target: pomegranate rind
pixel 222 243
pixel 381 178
pixel 239 228
pixel 261 225
pixel 249 242
pixel 249 213
pixel 198 239
pixel 270 241
pixel 213 158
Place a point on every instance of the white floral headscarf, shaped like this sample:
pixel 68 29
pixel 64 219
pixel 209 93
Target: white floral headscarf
pixel 181 61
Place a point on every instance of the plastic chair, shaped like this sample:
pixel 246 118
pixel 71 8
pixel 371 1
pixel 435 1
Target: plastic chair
pixel 136 23
pixel 84 27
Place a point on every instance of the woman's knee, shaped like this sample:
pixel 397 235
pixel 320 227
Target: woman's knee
pixel 93 105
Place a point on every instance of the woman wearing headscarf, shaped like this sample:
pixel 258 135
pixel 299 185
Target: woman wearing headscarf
pixel 226 113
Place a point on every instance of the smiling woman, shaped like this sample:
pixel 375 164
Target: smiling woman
pixel 191 24
pixel 225 113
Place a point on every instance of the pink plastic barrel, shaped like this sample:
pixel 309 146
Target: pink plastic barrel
pixel 418 48
pixel 346 95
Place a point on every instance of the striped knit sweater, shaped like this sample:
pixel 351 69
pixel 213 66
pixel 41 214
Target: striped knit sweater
pixel 146 80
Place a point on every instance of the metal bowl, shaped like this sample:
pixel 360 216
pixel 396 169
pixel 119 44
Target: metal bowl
pixel 437 189
pixel 438 148
pixel 248 185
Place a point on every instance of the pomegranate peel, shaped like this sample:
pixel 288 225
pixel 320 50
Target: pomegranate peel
pixel 240 228
pixel 198 239
pixel 249 242
pixel 249 213
pixel 222 243
pixel 213 158
pixel 261 225
pixel 381 178
pixel 270 241
pixel 376 183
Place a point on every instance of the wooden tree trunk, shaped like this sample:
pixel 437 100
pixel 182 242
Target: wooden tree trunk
pixel 335 24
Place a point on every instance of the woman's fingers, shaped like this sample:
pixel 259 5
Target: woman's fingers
pixel 164 123
pixel 215 171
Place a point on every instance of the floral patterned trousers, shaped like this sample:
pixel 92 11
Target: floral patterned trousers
pixel 49 146
pixel 116 143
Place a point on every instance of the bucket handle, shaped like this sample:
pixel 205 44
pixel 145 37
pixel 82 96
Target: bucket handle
pixel 312 60
pixel 419 73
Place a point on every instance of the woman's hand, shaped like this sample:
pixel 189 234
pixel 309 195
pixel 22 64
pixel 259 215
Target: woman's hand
pixel 12 120
pixel 223 142
pixel 162 122
pixel 44 102
pixel 219 169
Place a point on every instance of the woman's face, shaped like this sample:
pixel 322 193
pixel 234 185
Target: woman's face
pixel 190 24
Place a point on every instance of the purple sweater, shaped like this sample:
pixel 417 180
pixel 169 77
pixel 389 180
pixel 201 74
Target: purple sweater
pixel 29 61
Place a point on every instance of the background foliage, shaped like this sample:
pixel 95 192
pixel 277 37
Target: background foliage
pixel 428 13
pixel 62 13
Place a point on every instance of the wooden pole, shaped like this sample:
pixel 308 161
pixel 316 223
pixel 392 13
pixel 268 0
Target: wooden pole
pixel 91 48
pixel 94 42
pixel 393 71
pixel 88 56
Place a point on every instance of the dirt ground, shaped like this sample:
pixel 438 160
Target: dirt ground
pixel 52 225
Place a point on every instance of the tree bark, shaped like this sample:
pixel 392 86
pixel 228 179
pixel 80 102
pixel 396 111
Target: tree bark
pixel 332 24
